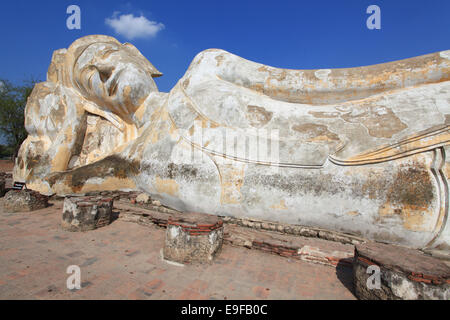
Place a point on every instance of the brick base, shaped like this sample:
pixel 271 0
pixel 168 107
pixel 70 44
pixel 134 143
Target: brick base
pixel 195 238
pixel 86 213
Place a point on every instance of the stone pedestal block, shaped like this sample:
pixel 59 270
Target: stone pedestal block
pixel 388 272
pixel 194 238
pixel 86 213
pixel 24 200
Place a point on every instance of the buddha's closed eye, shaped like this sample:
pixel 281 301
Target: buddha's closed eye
pixel 105 72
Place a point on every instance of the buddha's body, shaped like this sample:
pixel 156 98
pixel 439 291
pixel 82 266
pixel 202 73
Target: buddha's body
pixel 359 150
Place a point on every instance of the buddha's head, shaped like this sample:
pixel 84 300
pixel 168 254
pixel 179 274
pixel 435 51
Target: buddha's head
pixel 114 76
pixel 97 74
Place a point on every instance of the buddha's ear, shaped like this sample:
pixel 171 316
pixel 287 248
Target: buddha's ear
pixel 153 71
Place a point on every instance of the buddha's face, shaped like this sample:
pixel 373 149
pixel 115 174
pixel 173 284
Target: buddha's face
pixel 116 77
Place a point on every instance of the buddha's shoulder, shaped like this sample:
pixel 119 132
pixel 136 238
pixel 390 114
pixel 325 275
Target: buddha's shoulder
pixel 217 56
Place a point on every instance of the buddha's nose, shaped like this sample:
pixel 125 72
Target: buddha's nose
pixel 105 72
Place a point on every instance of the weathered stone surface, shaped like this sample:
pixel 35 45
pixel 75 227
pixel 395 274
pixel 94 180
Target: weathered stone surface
pixel 287 244
pixel 143 198
pixel 24 200
pixel 337 149
pixel 194 238
pixel 86 213
pixel 294 247
pixel 404 273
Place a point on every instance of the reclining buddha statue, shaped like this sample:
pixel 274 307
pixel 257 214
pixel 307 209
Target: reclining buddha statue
pixel 358 150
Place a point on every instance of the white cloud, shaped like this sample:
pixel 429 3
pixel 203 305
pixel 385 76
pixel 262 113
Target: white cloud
pixel 132 27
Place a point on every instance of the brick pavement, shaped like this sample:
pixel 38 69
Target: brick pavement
pixel 123 261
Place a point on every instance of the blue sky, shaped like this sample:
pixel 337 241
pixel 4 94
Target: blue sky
pixel 284 33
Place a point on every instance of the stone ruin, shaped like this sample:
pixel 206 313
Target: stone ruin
pixel 355 151
pixel 24 200
pixel 83 213
pixel 402 274
pixel 359 150
pixel 193 238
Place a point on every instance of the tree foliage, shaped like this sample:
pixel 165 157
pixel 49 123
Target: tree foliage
pixel 12 117
pixel 5 151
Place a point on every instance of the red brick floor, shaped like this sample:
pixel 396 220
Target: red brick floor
pixel 123 261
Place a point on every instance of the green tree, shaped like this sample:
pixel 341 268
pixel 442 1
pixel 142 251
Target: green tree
pixel 12 116
pixel 5 151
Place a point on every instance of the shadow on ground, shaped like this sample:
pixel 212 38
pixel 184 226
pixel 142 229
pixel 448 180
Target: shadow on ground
pixel 344 273
pixel 114 216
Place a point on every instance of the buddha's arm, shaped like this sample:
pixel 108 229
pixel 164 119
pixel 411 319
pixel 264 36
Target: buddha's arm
pixel 324 86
